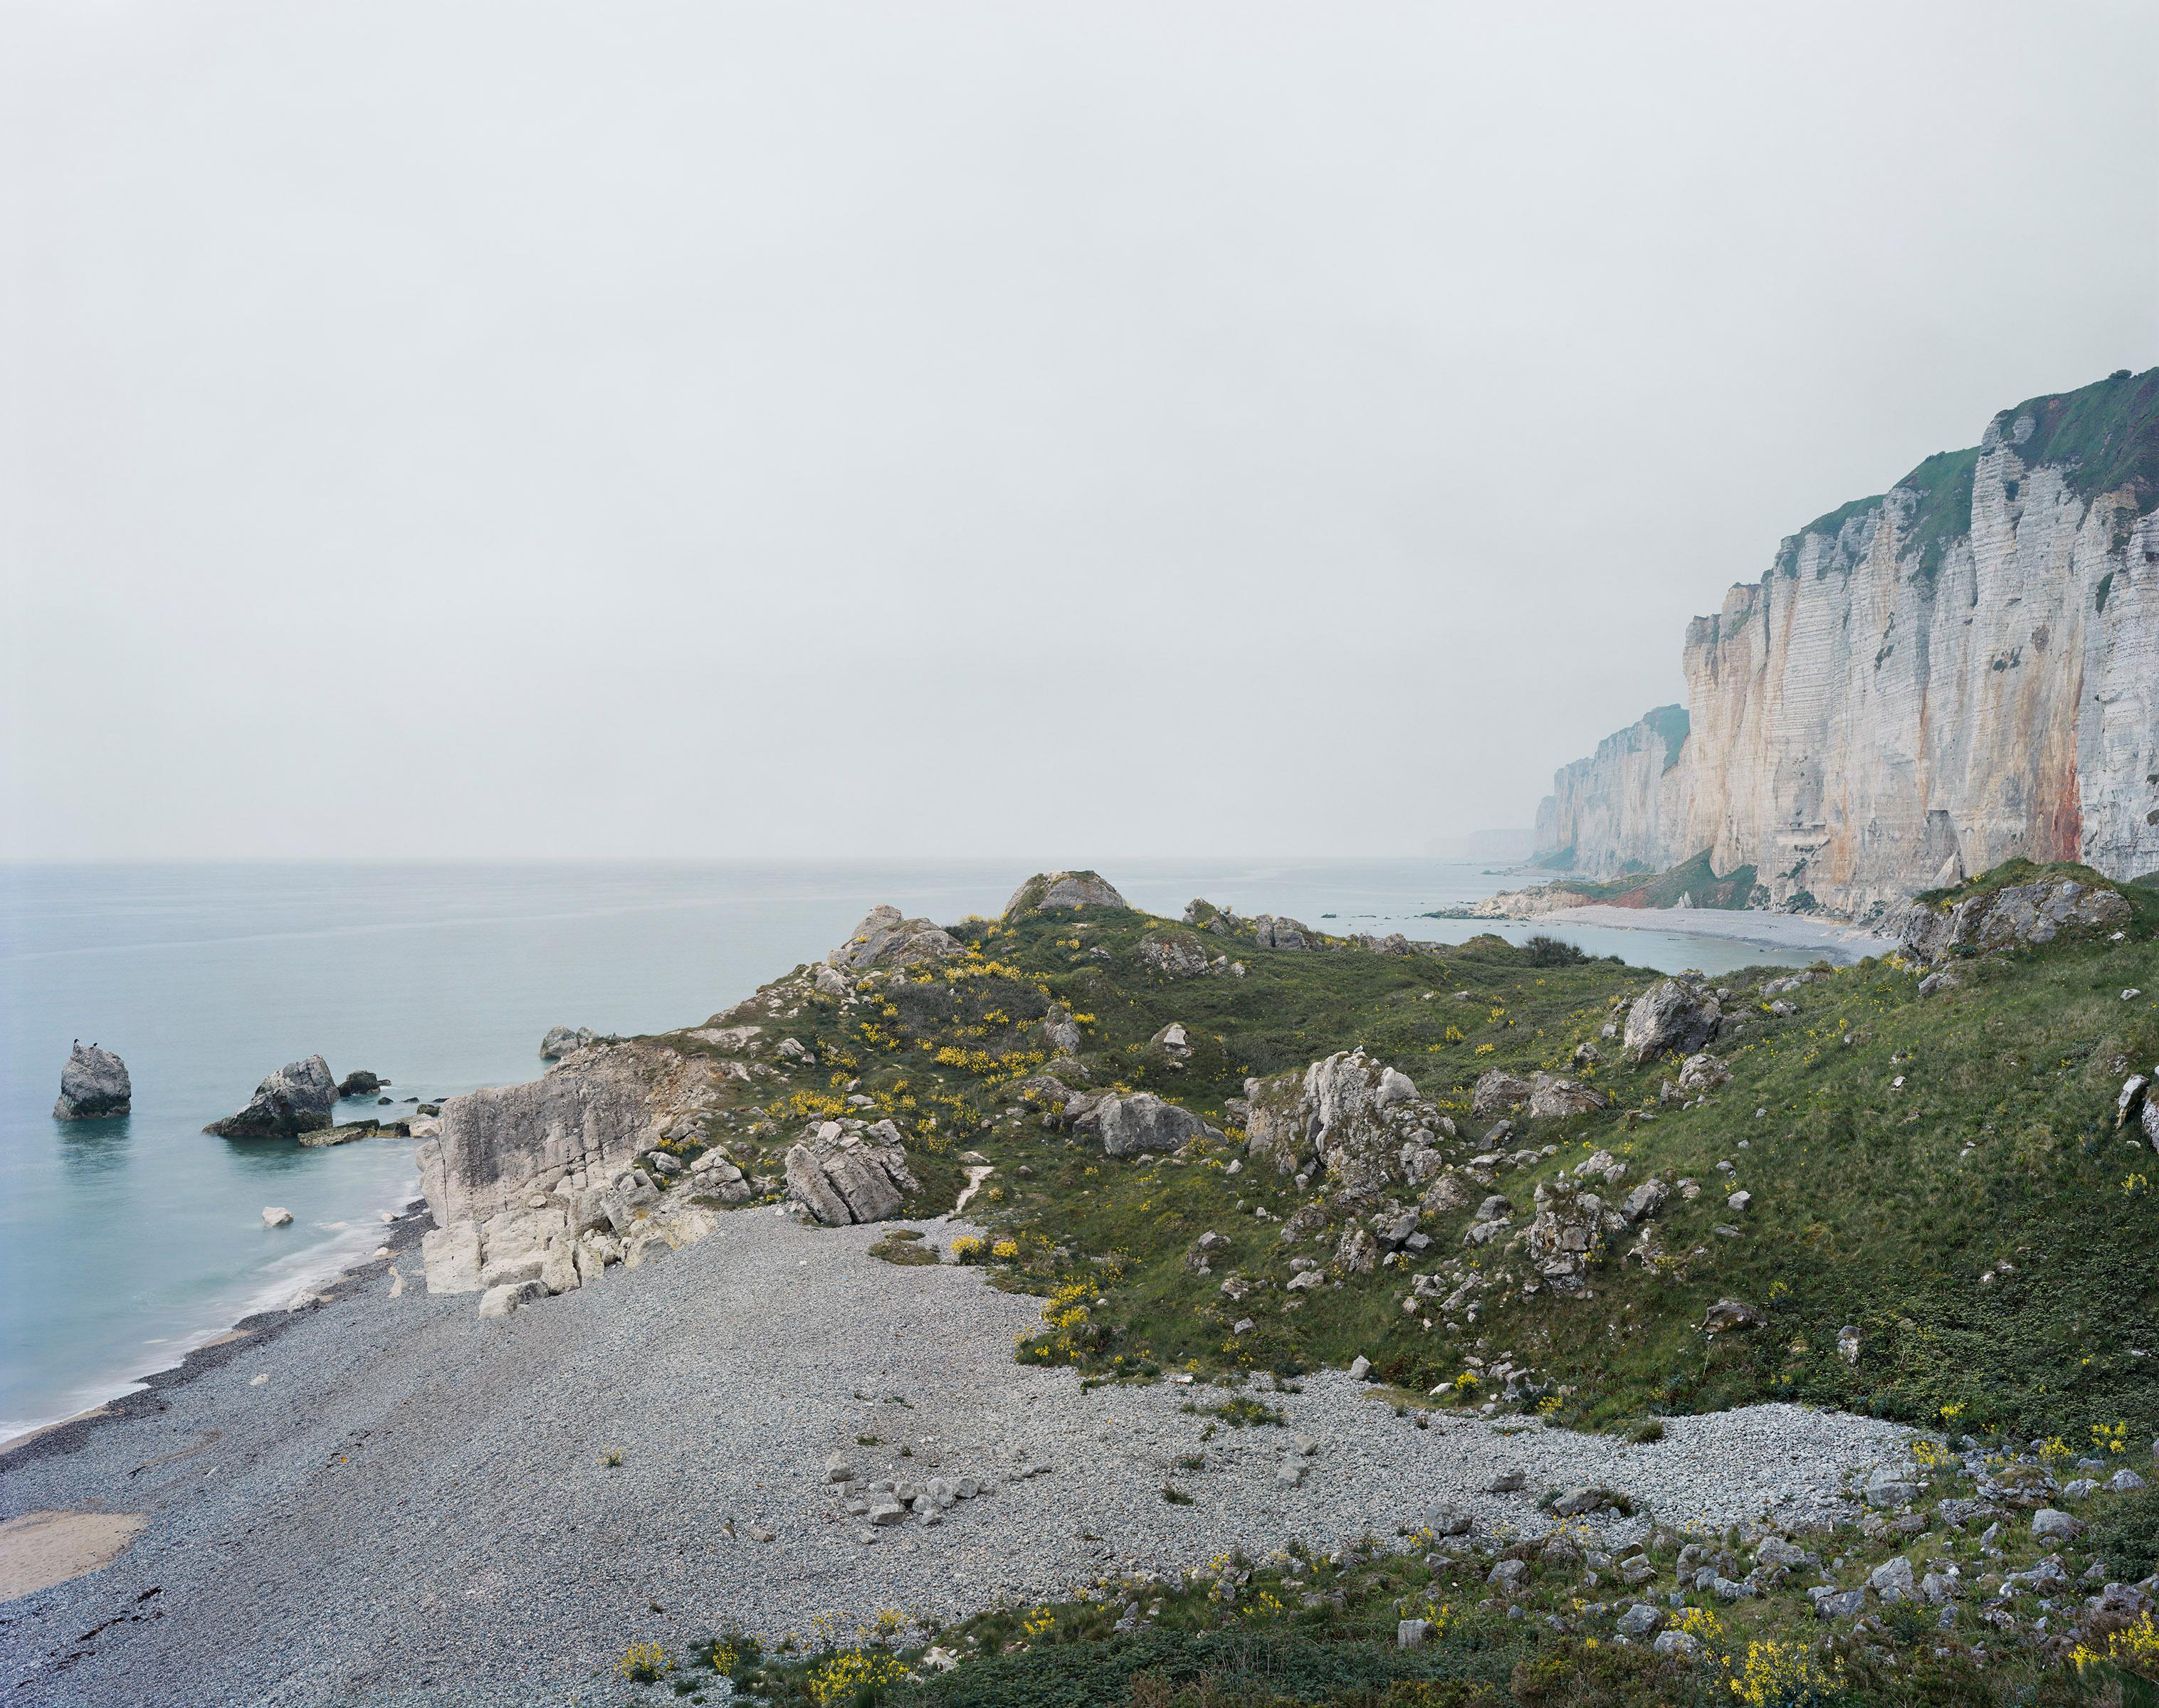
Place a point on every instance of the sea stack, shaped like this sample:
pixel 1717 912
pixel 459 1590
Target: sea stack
pixel 296 1098
pixel 94 1085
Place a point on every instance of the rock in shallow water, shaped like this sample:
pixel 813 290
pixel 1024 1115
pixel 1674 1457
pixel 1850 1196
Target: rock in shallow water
pixel 296 1098
pixel 94 1085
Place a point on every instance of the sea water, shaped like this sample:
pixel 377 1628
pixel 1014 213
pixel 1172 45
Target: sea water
pixel 124 1243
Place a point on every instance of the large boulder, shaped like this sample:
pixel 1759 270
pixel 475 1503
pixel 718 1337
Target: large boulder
pixel 1144 1121
pixel 94 1085
pixel 2018 913
pixel 1671 1016
pixel 1063 889
pixel 886 939
pixel 843 1172
pixel 296 1098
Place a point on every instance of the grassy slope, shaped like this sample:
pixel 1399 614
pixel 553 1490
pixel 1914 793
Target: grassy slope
pixel 1877 1206
pixel 1982 1225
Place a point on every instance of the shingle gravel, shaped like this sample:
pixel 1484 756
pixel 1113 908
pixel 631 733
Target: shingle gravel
pixel 412 1508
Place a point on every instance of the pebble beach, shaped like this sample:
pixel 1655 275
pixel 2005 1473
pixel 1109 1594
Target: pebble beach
pixel 388 1499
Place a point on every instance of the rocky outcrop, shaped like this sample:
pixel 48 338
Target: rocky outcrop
pixel 1961 671
pixel 296 1098
pixel 1362 1125
pixel 94 1085
pixel 1063 889
pixel 886 939
pixel 361 1082
pixel 843 1172
pixel 581 1123
pixel 2015 913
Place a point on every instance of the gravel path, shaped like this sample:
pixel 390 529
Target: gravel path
pixel 412 1507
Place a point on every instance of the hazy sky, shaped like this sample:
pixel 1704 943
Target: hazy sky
pixel 1058 429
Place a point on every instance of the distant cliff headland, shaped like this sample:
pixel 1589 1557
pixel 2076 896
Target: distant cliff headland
pixel 1961 671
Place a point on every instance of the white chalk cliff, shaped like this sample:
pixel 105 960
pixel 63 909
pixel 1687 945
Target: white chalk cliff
pixel 1925 684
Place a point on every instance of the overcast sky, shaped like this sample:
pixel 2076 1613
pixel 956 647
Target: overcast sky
pixel 1072 429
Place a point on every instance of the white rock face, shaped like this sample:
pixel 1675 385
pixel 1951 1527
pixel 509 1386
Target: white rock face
pixel 581 1122
pixel 1628 804
pixel 1924 686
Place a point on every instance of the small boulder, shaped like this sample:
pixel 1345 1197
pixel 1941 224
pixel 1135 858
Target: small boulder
pixel 502 1301
pixel 1509 1577
pixel 1727 1314
pixel 560 1040
pixel 361 1083
pixel 276 1216
pixel 94 1085
pixel 2051 1525
pixel 1639 1621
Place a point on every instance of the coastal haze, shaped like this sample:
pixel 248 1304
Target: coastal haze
pixel 589 596
pixel 683 431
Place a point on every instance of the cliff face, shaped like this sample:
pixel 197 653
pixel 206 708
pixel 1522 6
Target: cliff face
pixel 1625 808
pixel 1925 683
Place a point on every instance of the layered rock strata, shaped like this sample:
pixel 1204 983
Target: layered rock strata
pixel 1960 671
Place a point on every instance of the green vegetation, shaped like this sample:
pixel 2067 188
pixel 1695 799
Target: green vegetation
pixel 2107 434
pixel 1302 1629
pixel 1671 725
pixel 2104 435
pixel 1940 1175
pixel 1695 879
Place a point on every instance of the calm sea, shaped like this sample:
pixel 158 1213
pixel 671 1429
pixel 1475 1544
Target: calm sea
pixel 123 1243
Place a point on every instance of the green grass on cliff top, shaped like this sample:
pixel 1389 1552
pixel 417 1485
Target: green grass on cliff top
pixel 2105 435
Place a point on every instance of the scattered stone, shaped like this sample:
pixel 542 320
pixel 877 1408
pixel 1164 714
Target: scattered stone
pixel 2049 1523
